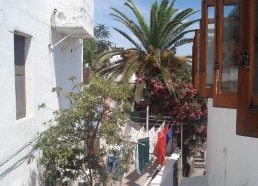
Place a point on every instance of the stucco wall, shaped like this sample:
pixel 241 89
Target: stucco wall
pixel 45 69
pixel 231 159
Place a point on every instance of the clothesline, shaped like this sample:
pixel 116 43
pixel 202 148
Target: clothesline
pixel 145 118
pixel 150 119
pixel 172 124
pixel 135 142
pixel 161 120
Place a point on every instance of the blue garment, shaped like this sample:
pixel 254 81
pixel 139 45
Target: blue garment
pixel 113 160
pixel 110 163
pixel 169 135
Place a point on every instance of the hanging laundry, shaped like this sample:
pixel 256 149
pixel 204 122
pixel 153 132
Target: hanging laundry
pixel 110 163
pixel 162 125
pixel 141 134
pixel 143 154
pixel 156 133
pixel 135 135
pixel 169 142
pixel 152 135
pixel 169 135
pixel 161 145
pixel 137 159
pixel 117 162
pixel 114 159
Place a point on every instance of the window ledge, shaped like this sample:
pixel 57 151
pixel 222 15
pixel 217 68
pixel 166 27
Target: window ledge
pixel 25 119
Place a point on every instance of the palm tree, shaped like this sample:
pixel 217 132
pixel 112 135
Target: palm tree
pixel 155 44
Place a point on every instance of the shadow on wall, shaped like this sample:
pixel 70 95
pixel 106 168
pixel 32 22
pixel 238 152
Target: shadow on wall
pixel 15 165
pixel 67 60
pixel 36 176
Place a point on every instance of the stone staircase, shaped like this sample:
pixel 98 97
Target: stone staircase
pixel 199 161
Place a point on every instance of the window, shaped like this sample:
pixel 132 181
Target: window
pixel 19 62
pixel 227 54
pixel 235 82
pixel 195 59
pixel 247 107
pixel 207 50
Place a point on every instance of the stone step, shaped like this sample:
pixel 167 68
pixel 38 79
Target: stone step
pixel 199 160
pixel 197 157
pixel 199 164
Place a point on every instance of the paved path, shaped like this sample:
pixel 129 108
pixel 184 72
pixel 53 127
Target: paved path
pixel 198 172
pixel 132 178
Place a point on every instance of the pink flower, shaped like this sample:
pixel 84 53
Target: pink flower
pixel 153 81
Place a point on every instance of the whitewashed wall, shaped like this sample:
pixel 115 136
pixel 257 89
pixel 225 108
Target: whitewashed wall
pixel 45 69
pixel 231 159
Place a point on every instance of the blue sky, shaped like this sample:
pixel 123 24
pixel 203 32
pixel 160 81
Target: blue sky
pixel 102 11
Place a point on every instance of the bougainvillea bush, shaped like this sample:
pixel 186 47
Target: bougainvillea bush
pixel 185 106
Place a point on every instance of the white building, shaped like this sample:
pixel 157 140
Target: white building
pixel 228 78
pixel 40 47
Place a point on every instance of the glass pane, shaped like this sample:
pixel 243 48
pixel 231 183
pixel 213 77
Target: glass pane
pixel 210 48
pixel 230 49
pixel 256 55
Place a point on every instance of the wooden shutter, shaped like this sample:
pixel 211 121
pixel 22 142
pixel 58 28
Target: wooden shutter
pixel 227 53
pixel 195 59
pixel 19 61
pixel 207 48
pixel 247 107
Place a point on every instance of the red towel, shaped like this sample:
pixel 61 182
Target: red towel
pixel 161 145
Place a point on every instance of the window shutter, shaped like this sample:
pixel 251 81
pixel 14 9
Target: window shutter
pixel 247 107
pixel 227 54
pixel 207 40
pixel 196 59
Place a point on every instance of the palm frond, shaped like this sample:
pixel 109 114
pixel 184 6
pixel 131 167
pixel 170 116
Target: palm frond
pixel 130 68
pixel 116 72
pixel 184 14
pixel 170 27
pixel 167 79
pixel 182 68
pixel 182 42
pixel 183 26
pixel 139 17
pixel 165 13
pixel 174 38
pixel 108 68
pixel 129 39
pixel 154 27
pixel 133 27
pixel 171 7
pixel 100 59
